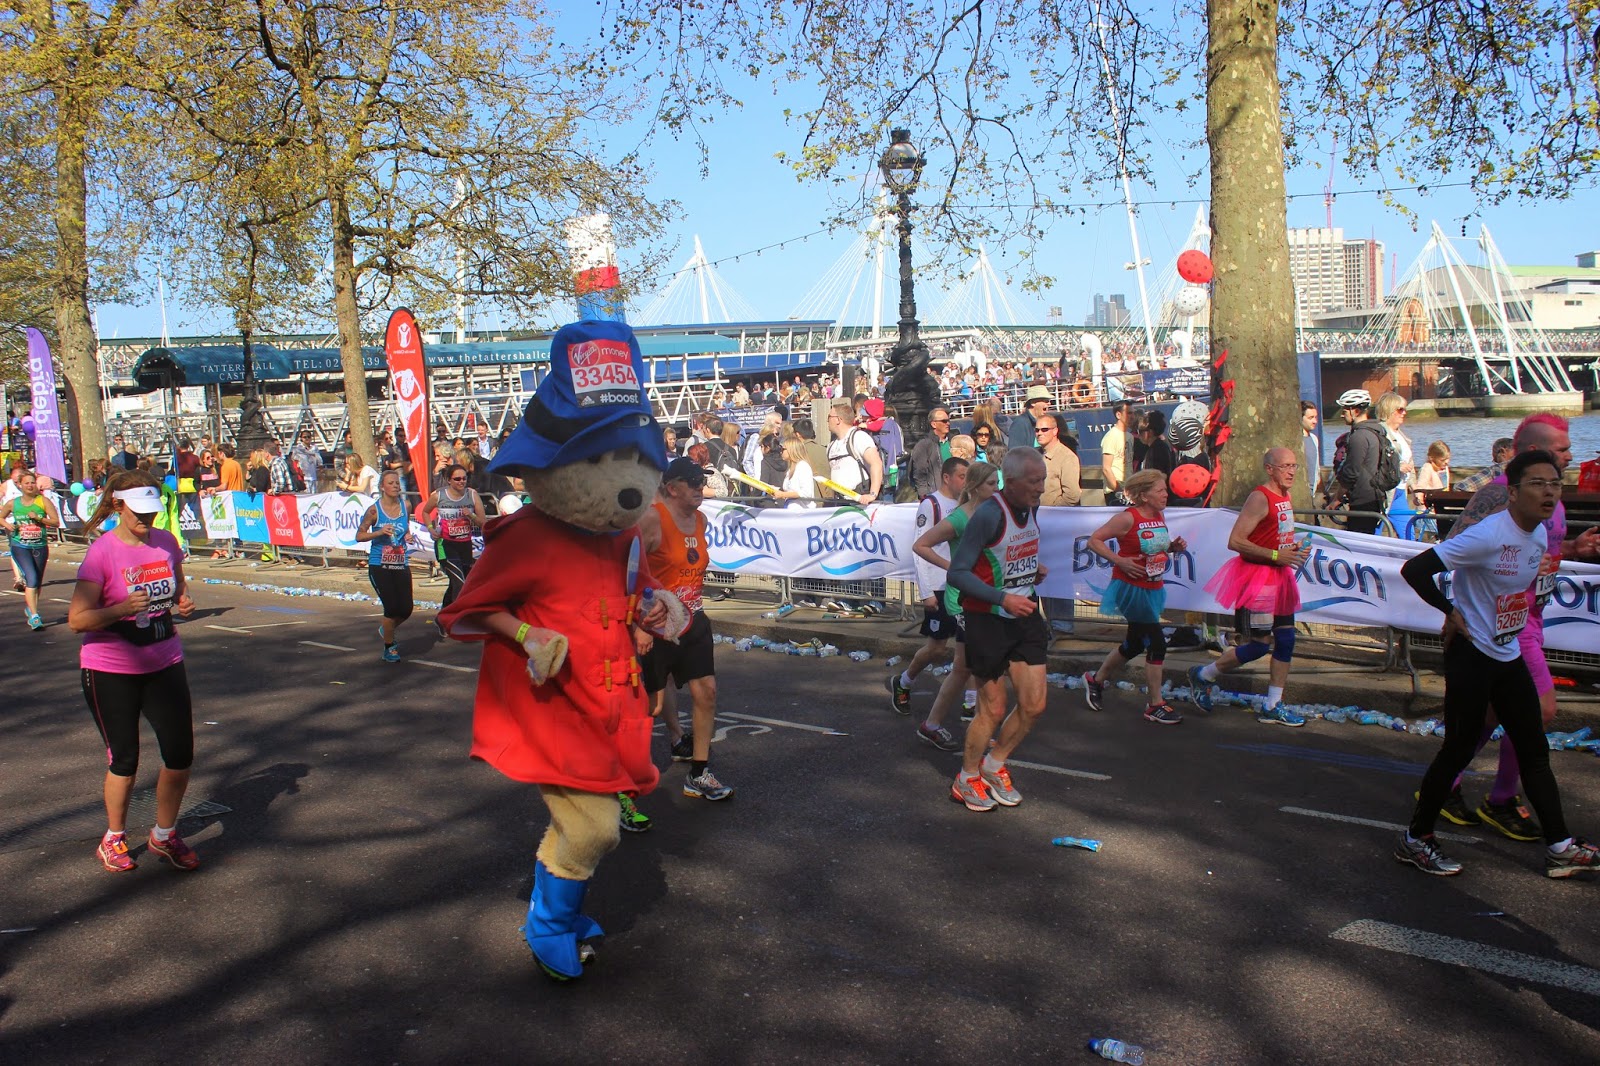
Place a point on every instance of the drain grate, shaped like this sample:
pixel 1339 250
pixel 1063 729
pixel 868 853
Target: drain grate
pixel 88 821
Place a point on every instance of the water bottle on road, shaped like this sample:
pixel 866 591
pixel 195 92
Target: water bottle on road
pixel 1117 1051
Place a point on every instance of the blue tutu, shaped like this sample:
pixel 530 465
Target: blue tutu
pixel 1135 604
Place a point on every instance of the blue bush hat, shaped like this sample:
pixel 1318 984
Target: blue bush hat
pixel 591 402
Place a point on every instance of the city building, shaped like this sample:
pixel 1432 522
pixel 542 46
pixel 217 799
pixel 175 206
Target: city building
pixel 1110 312
pixel 1331 272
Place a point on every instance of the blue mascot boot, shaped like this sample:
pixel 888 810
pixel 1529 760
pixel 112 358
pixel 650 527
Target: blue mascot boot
pixel 555 925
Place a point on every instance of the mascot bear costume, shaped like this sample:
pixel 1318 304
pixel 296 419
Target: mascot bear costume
pixel 563 601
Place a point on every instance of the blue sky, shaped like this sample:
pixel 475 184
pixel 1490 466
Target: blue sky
pixel 750 201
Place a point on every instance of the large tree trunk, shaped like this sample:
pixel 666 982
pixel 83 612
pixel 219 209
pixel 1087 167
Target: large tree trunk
pixel 80 364
pixel 348 315
pixel 1252 313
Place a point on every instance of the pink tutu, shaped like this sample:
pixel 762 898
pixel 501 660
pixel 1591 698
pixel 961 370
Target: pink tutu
pixel 1260 587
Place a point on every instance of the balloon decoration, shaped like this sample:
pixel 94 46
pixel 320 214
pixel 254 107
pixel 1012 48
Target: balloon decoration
pixel 1195 266
pixel 1192 299
pixel 29 427
pixel 171 482
pixel 78 489
pixel 1189 481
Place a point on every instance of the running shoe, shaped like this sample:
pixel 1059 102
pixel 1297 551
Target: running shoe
pixel 1425 855
pixel 1455 808
pixel 1093 692
pixel 972 791
pixel 391 653
pixel 939 737
pixel 969 705
pixel 1162 714
pixel 1280 715
pixel 114 855
pixel 1511 819
pixel 1579 856
pixel 633 820
pixel 34 621
pixel 1000 787
pixel 1200 690
pixel 174 850
pixel 705 786
pixel 899 695
pixel 683 749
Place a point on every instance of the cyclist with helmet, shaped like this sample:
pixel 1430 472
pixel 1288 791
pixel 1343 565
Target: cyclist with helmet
pixel 1355 478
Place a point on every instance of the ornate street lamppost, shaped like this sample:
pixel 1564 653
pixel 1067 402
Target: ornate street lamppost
pixel 912 391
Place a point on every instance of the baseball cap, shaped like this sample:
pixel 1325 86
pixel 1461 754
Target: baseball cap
pixel 684 469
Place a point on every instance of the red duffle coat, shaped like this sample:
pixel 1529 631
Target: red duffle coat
pixel 588 727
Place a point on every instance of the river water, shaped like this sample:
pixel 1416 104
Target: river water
pixel 1470 439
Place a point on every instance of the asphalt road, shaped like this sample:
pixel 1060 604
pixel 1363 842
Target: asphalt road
pixel 360 896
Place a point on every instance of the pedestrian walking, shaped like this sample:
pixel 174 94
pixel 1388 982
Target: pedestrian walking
pixel 1260 579
pixel 386 527
pixel 996 566
pixel 26 516
pixel 452 514
pixel 1494 564
pixel 982 482
pixel 129 585
pixel 1137 591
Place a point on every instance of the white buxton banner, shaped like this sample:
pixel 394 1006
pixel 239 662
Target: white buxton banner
pixel 1350 579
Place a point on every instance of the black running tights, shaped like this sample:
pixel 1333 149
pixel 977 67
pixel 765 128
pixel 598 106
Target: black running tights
pixel 1472 682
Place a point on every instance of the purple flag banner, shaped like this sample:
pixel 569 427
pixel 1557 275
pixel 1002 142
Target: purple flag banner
pixel 49 459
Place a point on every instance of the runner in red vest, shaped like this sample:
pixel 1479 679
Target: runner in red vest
pixel 1260 580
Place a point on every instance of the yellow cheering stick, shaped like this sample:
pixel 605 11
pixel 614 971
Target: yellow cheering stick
pixel 840 489
pixel 740 475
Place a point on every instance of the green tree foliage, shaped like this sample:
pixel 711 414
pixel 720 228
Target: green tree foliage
pixel 63 89
pixel 438 144
pixel 1009 102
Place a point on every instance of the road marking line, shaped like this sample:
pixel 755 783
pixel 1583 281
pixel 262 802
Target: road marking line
pixel 59 599
pixel 228 629
pixel 330 647
pixel 269 625
pixel 825 730
pixel 444 666
pixel 1338 758
pixel 1460 838
pixel 1058 770
pixel 1514 964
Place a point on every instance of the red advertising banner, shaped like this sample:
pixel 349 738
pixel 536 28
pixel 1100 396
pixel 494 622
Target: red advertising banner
pixel 402 344
pixel 283 520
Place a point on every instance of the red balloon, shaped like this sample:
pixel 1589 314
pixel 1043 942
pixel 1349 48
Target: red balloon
pixel 1189 481
pixel 1195 266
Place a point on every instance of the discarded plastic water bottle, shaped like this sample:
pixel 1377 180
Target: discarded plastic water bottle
pixel 827 650
pixel 1423 727
pixel 1499 733
pixel 893 660
pixel 1076 842
pixel 860 656
pixel 1338 714
pixel 1117 1051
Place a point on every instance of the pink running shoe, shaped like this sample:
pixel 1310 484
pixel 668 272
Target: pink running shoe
pixel 175 851
pixel 114 856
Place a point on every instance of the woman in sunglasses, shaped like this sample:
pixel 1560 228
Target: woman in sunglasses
pixel 455 510
pixel 129 586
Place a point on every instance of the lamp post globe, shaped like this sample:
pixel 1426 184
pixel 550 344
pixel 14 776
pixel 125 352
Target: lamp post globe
pixel 911 390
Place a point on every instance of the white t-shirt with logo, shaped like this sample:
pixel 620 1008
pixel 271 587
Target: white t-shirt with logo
pixel 1495 563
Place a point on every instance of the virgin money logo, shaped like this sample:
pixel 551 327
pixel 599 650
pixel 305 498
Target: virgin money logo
pixel 280 513
pixel 591 353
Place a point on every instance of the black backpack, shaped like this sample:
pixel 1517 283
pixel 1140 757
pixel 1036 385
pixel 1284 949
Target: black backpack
pixel 1388 474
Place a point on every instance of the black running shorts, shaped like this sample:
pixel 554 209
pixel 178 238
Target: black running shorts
pixel 994 643
pixel 937 623
pixel 693 656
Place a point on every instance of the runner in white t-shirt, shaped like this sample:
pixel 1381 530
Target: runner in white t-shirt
pixel 938 624
pixel 1494 564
